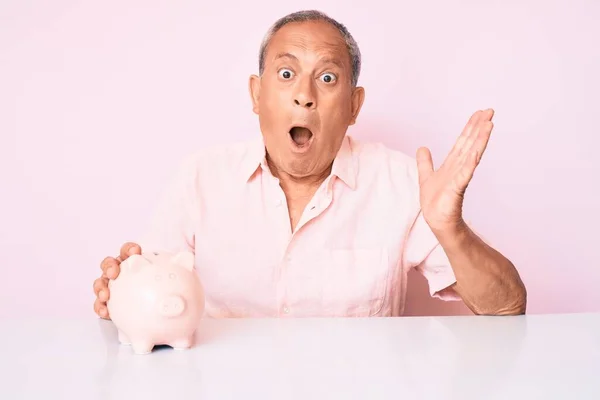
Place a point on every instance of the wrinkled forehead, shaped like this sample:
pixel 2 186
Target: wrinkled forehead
pixel 310 41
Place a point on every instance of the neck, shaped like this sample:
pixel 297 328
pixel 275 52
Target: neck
pixel 294 186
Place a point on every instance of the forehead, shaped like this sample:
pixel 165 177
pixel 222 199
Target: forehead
pixel 309 39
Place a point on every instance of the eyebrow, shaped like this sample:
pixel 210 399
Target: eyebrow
pixel 286 55
pixel 326 60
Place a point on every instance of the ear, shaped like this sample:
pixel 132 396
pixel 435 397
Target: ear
pixel 184 259
pixel 254 88
pixel 358 98
pixel 134 263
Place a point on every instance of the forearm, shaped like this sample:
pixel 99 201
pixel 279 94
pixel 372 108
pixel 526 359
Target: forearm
pixel 488 282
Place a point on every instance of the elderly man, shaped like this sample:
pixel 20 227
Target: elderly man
pixel 307 221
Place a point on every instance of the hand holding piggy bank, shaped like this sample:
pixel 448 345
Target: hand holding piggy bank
pixel 157 299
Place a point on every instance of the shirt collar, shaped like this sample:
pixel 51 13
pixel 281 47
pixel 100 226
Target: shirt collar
pixel 254 159
pixel 344 165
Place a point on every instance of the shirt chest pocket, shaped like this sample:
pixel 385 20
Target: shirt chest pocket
pixel 355 282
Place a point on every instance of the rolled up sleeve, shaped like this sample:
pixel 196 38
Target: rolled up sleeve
pixel 424 253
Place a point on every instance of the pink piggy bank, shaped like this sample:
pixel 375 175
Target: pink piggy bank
pixel 157 299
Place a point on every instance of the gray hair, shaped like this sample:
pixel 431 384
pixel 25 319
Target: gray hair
pixel 313 15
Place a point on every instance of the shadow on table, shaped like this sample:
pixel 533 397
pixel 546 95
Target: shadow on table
pixel 164 373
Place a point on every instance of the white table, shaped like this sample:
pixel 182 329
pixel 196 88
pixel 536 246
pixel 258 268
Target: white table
pixel 532 357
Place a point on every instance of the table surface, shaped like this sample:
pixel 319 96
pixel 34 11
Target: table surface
pixel 463 357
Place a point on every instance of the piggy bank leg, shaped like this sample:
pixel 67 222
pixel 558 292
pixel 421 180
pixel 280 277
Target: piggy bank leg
pixel 123 339
pixel 182 343
pixel 141 347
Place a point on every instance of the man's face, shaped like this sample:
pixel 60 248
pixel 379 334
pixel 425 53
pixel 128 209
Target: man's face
pixel 305 100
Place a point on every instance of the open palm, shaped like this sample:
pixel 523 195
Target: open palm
pixel 442 191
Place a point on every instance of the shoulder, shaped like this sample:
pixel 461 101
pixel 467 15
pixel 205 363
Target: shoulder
pixel 218 159
pixel 379 162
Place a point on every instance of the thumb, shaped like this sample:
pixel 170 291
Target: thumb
pixel 424 164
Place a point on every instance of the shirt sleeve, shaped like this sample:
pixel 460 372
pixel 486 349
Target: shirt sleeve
pixel 171 227
pixel 424 253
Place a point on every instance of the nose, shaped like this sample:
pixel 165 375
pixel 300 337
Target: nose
pixel 305 94
pixel 171 306
pixel 303 103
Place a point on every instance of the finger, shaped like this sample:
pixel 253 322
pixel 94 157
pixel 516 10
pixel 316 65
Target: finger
pixel 109 265
pixel 471 158
pixel 129 249
pixel 467 170
pixel 488 114
pixel 100 309
pixel 474 134
pixel 465 134
pixel 424 164
pixel 481 142
pixel 104 294
pixel 113 271
pixel 479 138
pixel 101 289
pixel 472 123
pixel 100 284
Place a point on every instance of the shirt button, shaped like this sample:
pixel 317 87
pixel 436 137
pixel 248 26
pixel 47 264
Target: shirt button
pixel 286 310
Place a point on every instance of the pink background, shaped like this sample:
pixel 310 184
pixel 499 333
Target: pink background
pixel 100 100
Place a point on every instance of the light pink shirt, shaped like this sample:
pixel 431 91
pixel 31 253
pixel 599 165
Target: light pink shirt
pixel 349 256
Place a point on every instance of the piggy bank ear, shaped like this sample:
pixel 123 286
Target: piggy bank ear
pixel 184 259
pixel 133 263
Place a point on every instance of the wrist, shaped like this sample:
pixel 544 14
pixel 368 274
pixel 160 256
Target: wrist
pixel 455 237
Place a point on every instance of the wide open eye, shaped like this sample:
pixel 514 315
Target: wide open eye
pixel 328 78
pixel 285 73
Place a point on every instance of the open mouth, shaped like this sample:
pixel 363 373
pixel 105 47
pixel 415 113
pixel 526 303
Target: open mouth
pixel 300 135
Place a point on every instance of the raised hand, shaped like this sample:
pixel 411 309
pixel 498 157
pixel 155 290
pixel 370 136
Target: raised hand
pixel 442 191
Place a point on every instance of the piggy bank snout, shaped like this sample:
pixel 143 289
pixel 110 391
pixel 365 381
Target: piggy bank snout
pixel 171 306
